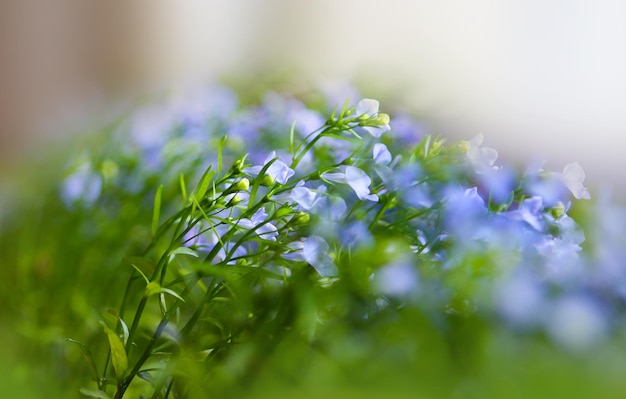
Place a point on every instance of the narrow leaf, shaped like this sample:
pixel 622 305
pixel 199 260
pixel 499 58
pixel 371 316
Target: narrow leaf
pixel 220 149
pixel 118 353
pixel 88 357
pixel 94 393
pixel 183 251
pixel 183 187
pixel 157 210
pixel 203 185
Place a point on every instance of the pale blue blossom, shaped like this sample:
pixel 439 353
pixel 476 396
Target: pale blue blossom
pixel 304 197
pixel 396 279
pixel 381 154
pixel 82 185
pixel 482 158
pixel 278 171
pixel 577 323
pixel 521 300
pixel 358 180
pixel 530 212
pixel 313 250
pixel 264 229
pixel 499 182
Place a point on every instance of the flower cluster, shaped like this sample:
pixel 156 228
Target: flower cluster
pixel 289 198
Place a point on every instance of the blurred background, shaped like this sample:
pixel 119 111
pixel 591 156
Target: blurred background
pixel 542 80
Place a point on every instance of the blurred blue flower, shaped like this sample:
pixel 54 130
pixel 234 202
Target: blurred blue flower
pixel 577 323
pixel 482 158
pixel 83 185
pixel 313 250
pixel 396 279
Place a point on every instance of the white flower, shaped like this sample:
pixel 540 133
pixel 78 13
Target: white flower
pixel 573 177
pixel 482 158
pixel 369 108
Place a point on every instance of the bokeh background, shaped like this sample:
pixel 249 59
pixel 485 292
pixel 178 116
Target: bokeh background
pixel 543 80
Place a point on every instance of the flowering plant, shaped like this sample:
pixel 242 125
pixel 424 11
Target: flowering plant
pixel 312 243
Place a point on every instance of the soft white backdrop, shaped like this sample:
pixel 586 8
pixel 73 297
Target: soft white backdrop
pixel 542 79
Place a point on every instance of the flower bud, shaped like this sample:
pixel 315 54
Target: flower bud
pixel 234 201
pixel 268 180
pixel 302 218
pixel 382 120
pixel 237 166
pixel 242 185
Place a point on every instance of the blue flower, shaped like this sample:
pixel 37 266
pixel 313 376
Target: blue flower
pixel 304 197
pixel 82 185
pixel 278 171
pixel 577 323
pixel 381 154
pixel 482 158
pixel 358 180
pixel 264 229
pixel 396 279
pixel 313 250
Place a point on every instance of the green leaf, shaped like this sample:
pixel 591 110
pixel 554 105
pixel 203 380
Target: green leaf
pixel 155 288
pixel 183 251
pixel 220 156
pixel 118 353
pixel 94 393
pixel 292 131
pixel 157 210
pixel 183 187
pixel 146 279
pixel 88 357
pixel 205 180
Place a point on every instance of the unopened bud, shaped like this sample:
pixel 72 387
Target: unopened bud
pixel 302 218
pixel 242 185
pixel 382 119
pixel 268 180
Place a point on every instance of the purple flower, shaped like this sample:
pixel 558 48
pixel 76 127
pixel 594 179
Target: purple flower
pixel 358 180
